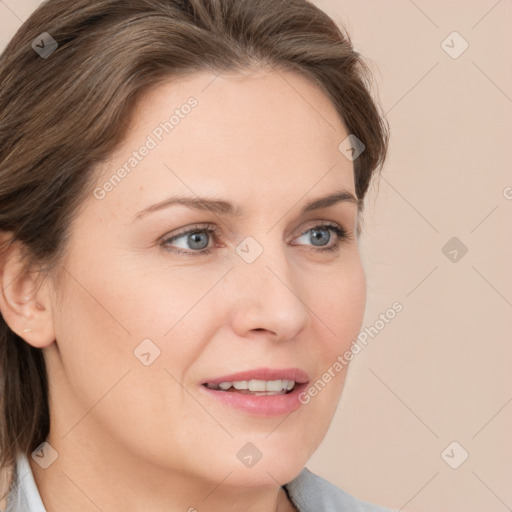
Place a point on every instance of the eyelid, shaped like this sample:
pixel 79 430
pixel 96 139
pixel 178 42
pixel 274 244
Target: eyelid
pixel 210 228
pixel 190 229
pixel 320 223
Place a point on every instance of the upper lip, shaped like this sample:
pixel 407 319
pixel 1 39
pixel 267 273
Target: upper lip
pixel 296 374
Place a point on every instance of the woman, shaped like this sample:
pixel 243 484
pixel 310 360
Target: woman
pixel 181 189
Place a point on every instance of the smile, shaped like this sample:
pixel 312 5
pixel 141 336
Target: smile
pixel 256 387
pixel 259 392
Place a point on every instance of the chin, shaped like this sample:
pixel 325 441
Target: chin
pixel 260 462
pixel 276 471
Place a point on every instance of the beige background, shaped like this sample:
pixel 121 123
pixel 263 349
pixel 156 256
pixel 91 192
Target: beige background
pixel 440 370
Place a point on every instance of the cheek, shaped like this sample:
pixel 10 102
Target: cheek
pixel 339 301
pixel 108 314
pixel 95 356
pixel 338 305
pixel 103 384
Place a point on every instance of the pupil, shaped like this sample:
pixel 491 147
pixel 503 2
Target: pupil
pixel 196 237
pixel 316 238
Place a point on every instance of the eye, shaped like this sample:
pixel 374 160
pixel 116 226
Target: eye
pixel 321 234
pixel 195 241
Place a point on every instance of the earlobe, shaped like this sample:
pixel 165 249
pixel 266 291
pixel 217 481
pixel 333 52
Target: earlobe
pixel 25 301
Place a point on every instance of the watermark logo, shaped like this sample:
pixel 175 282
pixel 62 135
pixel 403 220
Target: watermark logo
pixel 146 352
pixel 45 455
pixel 249 455
pixel 44 45
pixel 454 455
pixel 351 147
pixel 454 45
pixel 344 359
pixel 454 249
pixel 151 142
pixel 249 249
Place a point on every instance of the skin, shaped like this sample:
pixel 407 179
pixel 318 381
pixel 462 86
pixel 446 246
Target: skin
pixel 133 437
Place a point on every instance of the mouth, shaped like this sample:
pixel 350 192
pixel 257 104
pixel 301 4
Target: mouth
pixel 261 392
pixel 278 381
pixel 255 386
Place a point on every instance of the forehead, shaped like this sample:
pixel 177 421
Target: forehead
pixel 258 104
pixel 265 131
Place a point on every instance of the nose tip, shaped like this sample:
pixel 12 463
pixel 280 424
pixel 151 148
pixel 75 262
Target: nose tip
pixel 268 301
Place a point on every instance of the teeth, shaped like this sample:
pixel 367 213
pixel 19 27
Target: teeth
pixel 271 385
pixel 256 385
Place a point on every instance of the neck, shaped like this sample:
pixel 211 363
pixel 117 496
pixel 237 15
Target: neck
pixel 90 479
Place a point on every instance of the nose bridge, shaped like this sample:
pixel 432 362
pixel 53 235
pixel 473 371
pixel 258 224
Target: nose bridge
pixel 268 294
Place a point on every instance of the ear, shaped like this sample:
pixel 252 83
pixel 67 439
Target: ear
pixel 25 299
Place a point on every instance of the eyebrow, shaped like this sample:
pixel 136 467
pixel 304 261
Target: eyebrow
pixel 223 207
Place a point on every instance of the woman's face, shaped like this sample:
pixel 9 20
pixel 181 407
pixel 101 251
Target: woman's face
pixel 147 315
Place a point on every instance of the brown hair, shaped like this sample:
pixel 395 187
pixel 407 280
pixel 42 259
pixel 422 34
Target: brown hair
pixel 61 115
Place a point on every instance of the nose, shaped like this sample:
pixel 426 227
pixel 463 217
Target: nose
pixel 267 296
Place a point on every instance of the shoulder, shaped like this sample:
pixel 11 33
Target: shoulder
pixel 312 493
pixel 24 495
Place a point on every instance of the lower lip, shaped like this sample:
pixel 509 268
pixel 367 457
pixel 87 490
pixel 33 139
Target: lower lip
pixel 260 405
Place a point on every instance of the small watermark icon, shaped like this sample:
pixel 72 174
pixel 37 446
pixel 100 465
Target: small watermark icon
pixel 351 147
pixel 249 455
pixel 45 455
pixel 44 45
pixel 454 249
pixel 249 249
pixel 146 352
pixel 454 45
pixel 507 192
pixel 454 455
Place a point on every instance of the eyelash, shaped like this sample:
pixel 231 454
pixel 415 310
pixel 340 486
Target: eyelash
pixel 340 232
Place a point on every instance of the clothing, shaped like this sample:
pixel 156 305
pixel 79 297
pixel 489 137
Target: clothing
pixel 308 492
pixel 312 493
